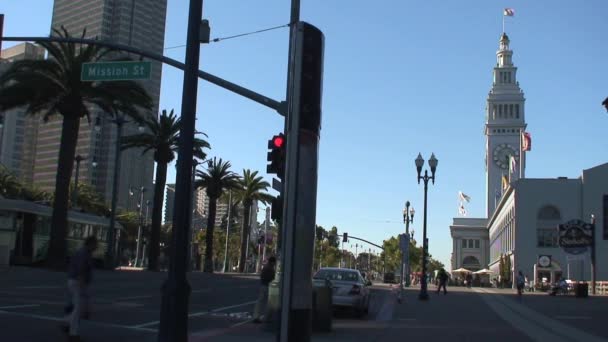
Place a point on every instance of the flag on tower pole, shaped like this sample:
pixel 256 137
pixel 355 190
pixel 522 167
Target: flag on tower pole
pixel 508 12
pixel 526 141
pixel 464 197
pixel 512 168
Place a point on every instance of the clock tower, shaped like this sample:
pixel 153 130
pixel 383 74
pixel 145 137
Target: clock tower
pixel 505 122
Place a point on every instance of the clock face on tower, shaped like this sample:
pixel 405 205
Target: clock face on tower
pixel 502 153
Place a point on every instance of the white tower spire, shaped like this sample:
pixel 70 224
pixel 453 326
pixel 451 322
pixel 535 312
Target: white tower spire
pixel 505 120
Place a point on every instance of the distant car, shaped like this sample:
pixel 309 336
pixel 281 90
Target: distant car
pixel 389 278
pixel 349 288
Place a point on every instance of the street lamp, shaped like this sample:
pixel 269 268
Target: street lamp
pixel 408 217
pixel 119 120
pixel 142 190
pixel 419 164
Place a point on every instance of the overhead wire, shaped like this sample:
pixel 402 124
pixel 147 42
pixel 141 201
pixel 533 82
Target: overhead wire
pixel 215 40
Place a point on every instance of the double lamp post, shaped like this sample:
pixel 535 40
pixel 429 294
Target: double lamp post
pixel 425 178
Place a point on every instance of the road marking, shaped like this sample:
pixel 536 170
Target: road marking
pixel 197 314
pixel 18 306
pixel 241 323
pixel 572 317
pixel 41 287
pixel 201 290
pixel 123 299
pixel 58 319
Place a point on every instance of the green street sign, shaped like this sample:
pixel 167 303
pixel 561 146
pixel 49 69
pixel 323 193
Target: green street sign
pixel 115 71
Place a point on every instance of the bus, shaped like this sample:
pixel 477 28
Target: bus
pixel 25 227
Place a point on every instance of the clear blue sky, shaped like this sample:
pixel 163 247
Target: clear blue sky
pixel 401 77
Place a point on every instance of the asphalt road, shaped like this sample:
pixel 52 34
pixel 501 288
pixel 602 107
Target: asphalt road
pixel 121 301
pixel 126 305
pixel 126 308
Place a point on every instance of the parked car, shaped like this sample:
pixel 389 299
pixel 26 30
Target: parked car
pixel 349 288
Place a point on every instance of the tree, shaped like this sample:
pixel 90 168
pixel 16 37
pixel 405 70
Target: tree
pixel 507 275
pixel 501 269
pixel 605 103
pixel 333 238
pixel 252 189
pixel 89 200
pixel 10 187
pixel 391 254
pixel 216 180
pixel 53 86
pixel 162 137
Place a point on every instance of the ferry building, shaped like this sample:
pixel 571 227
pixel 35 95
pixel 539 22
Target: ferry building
pixel 523 214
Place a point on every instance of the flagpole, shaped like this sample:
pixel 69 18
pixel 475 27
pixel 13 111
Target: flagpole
pixel 503 23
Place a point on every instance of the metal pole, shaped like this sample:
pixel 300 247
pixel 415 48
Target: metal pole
pixel 145 231
pixel 593 268
pixel 139 230
pixel 227 230
pixel 176 289
pixel 191 261
pixel 423 285
pixel 342 252
pixel 265 232
pixel 111 237
pixel 407 232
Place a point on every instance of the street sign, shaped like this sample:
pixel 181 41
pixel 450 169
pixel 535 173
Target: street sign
pixel 115 71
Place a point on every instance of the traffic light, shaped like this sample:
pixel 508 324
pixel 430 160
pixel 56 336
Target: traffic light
pixel 310 85
pixel 276 155
pixel 344 237
pixel 277 208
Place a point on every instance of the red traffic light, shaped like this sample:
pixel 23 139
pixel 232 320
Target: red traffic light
pixel 278 141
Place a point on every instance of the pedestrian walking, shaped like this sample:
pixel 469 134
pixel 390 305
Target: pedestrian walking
pixel 80 272
pixel 521 282
pixel 443 280
pixel 266 277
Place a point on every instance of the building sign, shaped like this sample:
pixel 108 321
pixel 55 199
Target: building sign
pixel 544 261
pixel 575 236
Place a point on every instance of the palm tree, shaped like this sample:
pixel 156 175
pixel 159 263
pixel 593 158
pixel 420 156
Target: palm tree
pixel 53 86
pixel 10 187
pixel 216 179
pixel 252 190
pixel 162 137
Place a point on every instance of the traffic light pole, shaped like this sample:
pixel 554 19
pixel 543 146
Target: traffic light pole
pixel 176 289
pixel 300 188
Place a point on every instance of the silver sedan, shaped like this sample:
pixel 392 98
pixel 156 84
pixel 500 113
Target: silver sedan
pixel 349 288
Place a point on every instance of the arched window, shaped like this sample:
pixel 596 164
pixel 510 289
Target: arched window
pixel 549 212
pixel 547 219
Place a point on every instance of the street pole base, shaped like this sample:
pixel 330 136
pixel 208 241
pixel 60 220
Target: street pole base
pixel 173 324
pixel 423 296
pixel 300 327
